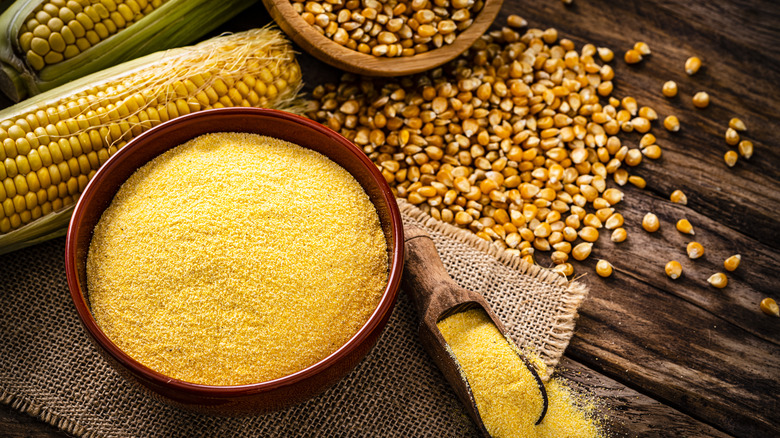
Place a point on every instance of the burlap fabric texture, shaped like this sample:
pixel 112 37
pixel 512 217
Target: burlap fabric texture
pixel 49 368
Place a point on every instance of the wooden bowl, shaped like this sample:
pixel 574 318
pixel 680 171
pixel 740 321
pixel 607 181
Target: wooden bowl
pixel 326 50
pixel 258 397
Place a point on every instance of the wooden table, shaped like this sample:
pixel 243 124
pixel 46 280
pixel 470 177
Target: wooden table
pixel 670 358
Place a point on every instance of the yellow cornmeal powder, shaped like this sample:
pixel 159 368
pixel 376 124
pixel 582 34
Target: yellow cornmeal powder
pixel 505 391
pixel 236 259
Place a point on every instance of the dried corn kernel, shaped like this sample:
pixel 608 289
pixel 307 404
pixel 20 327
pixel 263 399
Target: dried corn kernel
pixel 582 251
pixel 650 223
pixel 565 269
pixel 669 89
pixel 673 269
pixel 632 56
pixel 619 235
pixel 718 280
pixel 678 197
pixel 605 54
pixel 695 250
pixel 701 99
pixel 638 181
pixel 737 124
pixel 732 262
pixel 732 137
pixel 770 307
pixel 672 123
pixel 642 48
pixel 684 226
pixel 604 268
pixel 516 21
pixel 730 158
pixel 692 65
pixel 745 149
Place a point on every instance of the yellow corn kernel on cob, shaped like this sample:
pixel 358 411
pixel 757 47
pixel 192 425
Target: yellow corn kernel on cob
pixel 46 43
pixel 52 144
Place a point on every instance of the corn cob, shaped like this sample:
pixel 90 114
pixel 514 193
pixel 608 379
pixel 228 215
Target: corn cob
pixel 47 43
pixel 52 144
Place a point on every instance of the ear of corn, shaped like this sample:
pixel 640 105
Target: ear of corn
pixel 52 144
pixel 45 44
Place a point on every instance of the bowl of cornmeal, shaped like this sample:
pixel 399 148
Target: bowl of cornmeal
pixel 235 260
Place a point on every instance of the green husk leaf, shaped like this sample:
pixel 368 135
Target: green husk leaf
pixel 174 23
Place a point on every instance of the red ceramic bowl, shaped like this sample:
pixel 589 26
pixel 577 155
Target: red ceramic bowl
pixel 258 397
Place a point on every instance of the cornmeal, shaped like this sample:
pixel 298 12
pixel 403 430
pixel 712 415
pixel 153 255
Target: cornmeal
pixel 236 259
pixel 506 393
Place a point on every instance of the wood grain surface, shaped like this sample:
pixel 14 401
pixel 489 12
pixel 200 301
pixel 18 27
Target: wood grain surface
pixel 669 358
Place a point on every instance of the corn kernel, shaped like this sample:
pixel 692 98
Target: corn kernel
pixel 604 268
pixel 632 56
pixel 669 89
pixel 732 137
pixel 684 226
pixel 642 48
pixel 745 149
pixel 605 54
pixel 637 181
pixel 770 307
pixel 650 223
pixel 619 235
pixel 672 123
pixel 732 262
pixel 673 269
pixel 582 251
pixel 695 250
pixel 730 158
pixel 737 124
pixel 565 269
pixel 701 99
pixel 692 65
pixel 678 197
pixel 718 280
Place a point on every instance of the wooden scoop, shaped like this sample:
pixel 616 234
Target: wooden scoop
pixel 436 296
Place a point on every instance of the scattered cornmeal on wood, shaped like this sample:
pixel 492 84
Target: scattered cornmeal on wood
pixel 506 393
pixel 236 259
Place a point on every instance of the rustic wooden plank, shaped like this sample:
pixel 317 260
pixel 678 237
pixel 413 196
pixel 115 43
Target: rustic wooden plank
pixel 679 354
pixel 630 413
pixel 15 424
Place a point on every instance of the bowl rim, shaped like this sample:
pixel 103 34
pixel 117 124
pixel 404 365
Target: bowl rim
pixel 377 319
pixel 330 52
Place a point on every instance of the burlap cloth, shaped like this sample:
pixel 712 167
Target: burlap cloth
pixel 49 368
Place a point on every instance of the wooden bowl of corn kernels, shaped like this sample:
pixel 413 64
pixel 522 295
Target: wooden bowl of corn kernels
pixel 373 38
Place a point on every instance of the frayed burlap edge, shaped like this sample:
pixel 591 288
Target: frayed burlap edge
pixel 22 405
pixel 558 338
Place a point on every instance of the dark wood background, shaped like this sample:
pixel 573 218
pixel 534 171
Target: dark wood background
pixel 668 358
